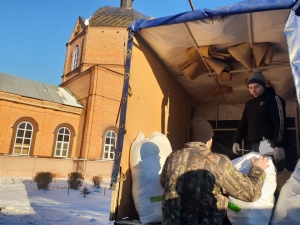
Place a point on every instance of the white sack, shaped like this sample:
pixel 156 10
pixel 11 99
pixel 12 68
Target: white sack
pixel 147 157
pixel 260 211
pixel 265 148
pixel 287 209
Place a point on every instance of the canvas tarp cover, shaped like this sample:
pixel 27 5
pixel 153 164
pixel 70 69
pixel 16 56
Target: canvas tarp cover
pixel 248 21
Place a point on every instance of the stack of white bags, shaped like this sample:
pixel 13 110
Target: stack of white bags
pixel 147 157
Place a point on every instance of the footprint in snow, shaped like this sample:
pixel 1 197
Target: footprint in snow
pixel 93 220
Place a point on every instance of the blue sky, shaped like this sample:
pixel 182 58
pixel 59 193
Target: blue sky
pixel 34 33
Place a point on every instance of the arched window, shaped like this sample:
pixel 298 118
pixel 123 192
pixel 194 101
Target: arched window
pixel 23 138
pixel 62 144
pixel 109 145
pixel 75 58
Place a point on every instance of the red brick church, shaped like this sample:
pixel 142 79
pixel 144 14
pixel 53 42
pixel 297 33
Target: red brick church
pixel 73 126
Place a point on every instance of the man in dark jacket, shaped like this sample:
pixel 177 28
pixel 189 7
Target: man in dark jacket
pixel 197 182
pixel 264 117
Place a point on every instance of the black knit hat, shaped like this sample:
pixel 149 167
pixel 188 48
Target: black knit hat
pixel 200 130
pixel 258 78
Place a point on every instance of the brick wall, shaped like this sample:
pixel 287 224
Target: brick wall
pixel 78 41
pixel 97 83
pixel 19 166
pixel 48 116
pixel 105 45
pixel 98 46
pixel 99 90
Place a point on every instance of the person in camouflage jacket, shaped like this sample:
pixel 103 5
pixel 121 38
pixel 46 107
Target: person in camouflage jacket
pixel 197 182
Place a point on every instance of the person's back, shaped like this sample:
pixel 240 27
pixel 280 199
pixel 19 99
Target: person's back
pixel 197 182
pixel 189 186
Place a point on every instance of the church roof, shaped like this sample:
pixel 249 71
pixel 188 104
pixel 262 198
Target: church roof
pixel 115 17
pixel 38 90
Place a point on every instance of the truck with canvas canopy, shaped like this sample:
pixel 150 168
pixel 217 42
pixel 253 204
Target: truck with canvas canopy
pixel 197 63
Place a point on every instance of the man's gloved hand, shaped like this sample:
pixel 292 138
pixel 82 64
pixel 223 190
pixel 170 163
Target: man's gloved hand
pixel 235 148
pixel 279 154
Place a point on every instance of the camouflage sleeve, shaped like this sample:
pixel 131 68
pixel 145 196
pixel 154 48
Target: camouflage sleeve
pixel 162 174
pixel 240 186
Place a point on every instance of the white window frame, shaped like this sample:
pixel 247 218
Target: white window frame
pixel 61 144
pixel 109 148
pixel 75 58
pixel 22 136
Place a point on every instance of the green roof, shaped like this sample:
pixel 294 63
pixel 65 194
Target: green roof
pixel 38 90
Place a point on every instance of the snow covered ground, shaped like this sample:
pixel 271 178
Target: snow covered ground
pixel 22 203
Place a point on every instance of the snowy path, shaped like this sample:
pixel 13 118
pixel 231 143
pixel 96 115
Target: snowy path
pixel 23 203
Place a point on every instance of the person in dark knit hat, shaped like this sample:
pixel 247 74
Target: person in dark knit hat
pixel 257 78
pixel 197 182
pixel 264 118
